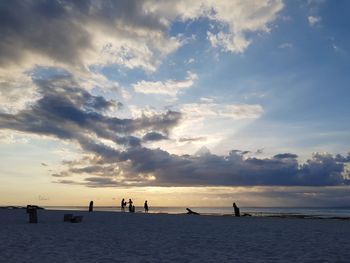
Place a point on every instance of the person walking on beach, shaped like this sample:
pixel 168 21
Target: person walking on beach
pixel 122 205
pixel 131 206
pixel 236 210
pixel 145 206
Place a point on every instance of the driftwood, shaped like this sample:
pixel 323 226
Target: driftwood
pixel 67 217
pixel 246 214
pixel 190 212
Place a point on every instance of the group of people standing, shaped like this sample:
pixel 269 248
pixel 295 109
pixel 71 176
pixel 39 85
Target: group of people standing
pixel 123 204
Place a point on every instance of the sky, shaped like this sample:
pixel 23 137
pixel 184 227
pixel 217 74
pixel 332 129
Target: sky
pixel 182 103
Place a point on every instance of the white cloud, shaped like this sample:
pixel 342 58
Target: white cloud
pixel 12 137
pixel 137 112
pixel 238 16
pixel 93 80
pixel 285 45
pixel 236 112
pixel 137 49
pixel 315 2
pixel 314 20
pixel 190 61
pixel 233 43
pixel 169 87
pixel 206 100
pixel 16 91
pixel 243 111
pixel 241 17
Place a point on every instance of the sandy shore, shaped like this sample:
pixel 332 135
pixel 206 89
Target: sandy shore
pixel 124 237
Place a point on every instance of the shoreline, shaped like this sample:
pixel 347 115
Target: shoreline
pixel 255 215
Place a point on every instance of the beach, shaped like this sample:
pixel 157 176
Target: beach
pixel 138 237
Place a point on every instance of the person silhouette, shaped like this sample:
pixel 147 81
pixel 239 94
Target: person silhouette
pixel 130 205
pixel 91 206
pixel 236 210
pixel 122 205
pixel 145 206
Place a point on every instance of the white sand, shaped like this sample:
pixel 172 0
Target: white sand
pixel 124 237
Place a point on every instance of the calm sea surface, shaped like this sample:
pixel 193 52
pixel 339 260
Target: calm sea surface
pixel 255 211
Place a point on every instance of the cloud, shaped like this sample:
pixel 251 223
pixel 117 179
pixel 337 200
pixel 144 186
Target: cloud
pixel 314 20
pixel 192 139
pixel 169 87
pixel 130 33
pixel 260 151
pixel 315 2
pixel 69 112
pixel 43 198
pixel 285 156
pixel 234 111
pixel 156 167
pixel 7 137
pixel 234 20
pixel 154 136
pixel 116 155
pixel 190 61
pixel 16 91
pixel 83 37
pixel 240 18
pixel 285 45
pixel 243 111
pixel 80 34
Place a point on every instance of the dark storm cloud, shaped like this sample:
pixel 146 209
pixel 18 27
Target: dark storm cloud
pixel 231 170
pixel 154 136
pixel 285 156
pixel 68 112
pixel 57 29
pixel 43 27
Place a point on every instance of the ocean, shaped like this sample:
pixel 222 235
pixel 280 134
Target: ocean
pixel 323 212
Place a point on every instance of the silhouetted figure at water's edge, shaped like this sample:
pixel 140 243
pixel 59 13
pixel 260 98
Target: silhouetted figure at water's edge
pixel 145 206
pixel 131 207
pixel 123 205
pixel 236 210
pixel 91 206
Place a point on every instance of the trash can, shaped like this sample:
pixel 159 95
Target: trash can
pixel 33 215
